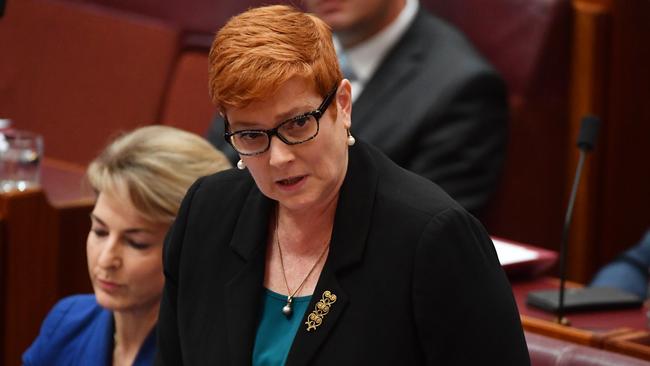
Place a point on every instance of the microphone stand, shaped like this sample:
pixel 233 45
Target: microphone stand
pixel 565 237
pixel 591 298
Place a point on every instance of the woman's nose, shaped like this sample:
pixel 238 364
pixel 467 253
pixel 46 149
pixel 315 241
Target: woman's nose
pixel 280 153
pixel 109 256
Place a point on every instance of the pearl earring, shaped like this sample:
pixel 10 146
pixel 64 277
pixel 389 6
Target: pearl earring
pixel 351 139
pixel 241 165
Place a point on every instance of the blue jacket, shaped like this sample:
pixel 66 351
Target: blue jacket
pixel 78 331
pixel 629 271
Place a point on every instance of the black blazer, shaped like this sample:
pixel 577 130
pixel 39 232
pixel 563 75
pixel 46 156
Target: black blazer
pixel 416 277
pixel 436 108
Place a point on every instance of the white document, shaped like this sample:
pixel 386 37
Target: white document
pixel 511 253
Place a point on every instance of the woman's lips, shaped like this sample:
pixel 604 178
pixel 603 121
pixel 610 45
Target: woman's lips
pixel 291 183
pixel 108 286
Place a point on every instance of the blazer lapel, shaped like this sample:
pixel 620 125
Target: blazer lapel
pixel 307 342
pixel 398 67
pixel 351 226
pixel 242 293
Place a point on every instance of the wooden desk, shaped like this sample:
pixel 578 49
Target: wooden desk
pixel 42 252
pixel 599 329
pixel 636 343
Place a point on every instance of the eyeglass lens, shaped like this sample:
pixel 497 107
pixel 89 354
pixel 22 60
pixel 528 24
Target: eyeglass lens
pixel 293 131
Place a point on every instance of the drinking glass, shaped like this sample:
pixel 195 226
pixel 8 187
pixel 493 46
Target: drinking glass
pixel 21 153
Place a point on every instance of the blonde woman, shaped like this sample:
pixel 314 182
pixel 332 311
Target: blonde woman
pixel 140 179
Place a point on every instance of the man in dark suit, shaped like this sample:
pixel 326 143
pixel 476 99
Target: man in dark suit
pixel 421 94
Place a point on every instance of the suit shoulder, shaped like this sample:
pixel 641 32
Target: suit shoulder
pixel 227 177
pixel 218 191
pixel 68 321
pixel 226 180
pixel 70 311
pixel 448 48
pixel 217 195
pixel 445 35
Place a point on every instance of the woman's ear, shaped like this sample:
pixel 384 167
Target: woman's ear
pixel 344 102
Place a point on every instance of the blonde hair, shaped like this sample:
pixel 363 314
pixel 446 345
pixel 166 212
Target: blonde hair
pixel 260 49
pixel 154 166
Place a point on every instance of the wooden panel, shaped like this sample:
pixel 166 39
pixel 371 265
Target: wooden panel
pixel 635 344
pixel 588 95
pixel 72 267
pixel 611 78
pixel 3 287
pixel 42 247
pixel 30 283
pixel 626 170
pixel 571 334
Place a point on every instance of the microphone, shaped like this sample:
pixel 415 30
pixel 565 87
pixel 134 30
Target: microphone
pixel 595 298
pixel 588 134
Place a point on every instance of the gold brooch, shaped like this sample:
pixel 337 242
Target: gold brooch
pixel 320 310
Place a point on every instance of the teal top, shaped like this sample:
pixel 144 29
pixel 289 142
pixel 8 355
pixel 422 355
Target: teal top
pixel 276 331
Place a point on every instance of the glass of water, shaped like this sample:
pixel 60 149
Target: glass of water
pixel 20 160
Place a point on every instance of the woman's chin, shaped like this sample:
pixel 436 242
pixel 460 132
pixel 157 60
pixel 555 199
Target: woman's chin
pixel 110 301
pixel 107 302
pixel 297 204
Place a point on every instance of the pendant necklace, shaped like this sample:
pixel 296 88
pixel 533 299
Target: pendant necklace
pixel 287 309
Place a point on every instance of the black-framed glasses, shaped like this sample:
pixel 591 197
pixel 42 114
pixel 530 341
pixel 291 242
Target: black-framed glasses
pixel 293 131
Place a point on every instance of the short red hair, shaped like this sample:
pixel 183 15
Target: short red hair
pixel 260 49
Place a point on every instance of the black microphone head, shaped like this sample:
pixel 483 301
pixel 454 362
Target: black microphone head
pixel 588 132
